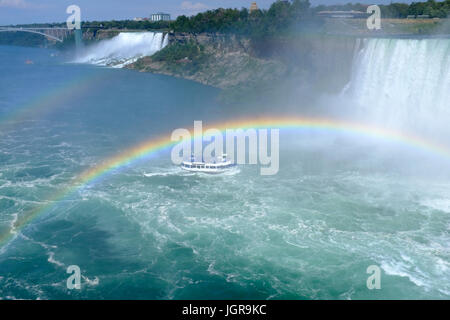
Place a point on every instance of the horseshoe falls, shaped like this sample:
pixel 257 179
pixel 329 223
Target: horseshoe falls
pixel 403 83
pixel 123 49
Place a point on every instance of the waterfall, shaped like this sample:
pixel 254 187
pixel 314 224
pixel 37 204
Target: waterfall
pixel 402 81
pixel 123 49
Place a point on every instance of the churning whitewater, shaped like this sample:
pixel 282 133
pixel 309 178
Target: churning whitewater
pixel 123 49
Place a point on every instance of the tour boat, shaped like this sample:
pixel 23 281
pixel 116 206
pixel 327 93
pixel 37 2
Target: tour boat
pixel 207 167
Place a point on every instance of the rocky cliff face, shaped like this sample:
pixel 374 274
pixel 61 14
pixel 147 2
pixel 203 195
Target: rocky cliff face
pixel 98 35
pixel 223 42
pixel 225 62
pixel 230 61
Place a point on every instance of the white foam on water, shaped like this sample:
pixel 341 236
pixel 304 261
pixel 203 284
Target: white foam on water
pixel 12 224
pixel 401 270
pixel 49 248
pixel 438 204
pixel 91 283
pixel 160 172
pixel 123 49
pixel 51 259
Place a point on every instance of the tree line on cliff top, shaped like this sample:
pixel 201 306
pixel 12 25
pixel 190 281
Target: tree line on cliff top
pixel 282 15
pixel 432 8
pixel 278 18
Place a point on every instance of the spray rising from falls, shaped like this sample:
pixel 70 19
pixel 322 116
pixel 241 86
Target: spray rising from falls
pixel 123 49
pixel 403 82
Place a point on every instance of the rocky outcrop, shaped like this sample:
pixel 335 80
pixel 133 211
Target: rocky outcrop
pixel 227 61
pixel 230 61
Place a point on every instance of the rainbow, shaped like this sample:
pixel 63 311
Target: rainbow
pixel 155 145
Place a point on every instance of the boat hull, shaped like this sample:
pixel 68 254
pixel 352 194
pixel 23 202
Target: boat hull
pixel 204 167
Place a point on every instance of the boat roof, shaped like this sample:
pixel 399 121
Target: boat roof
pixel 207 163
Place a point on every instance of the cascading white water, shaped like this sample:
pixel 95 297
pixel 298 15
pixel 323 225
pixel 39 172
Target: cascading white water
pixel 403 82
pixel 124 49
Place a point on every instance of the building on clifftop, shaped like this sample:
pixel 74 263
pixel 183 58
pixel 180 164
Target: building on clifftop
pixel 160 17
pixel 253 7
